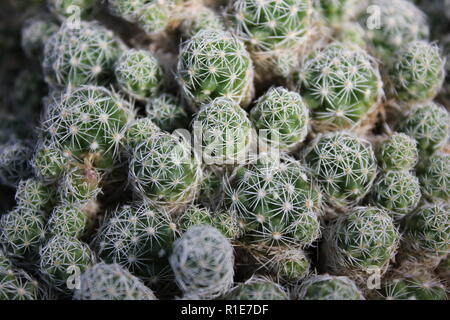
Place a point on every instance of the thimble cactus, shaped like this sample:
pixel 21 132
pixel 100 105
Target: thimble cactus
pixel 139 74
pixel 398 192
pixel 215 64
pixel 111 282
pixel 156 15
pixel 33 195
pixel 80 185
pixel 283 114
pixel 48 162
pixel 429 124
pixel 344 165
pixel 434 177
pixel 225 132
pixel 362 241
pixel 167 112
pixel 336 12
pixel 277 202
pixel 410 288
pixel 342 85
pixel 35 33
pixel 202 260
pixel 418 73
pixel 77 56
pixel 397 152
pixel 164 172
pixel 199 17
pixel 139 131
pixel 18 285
pixel 328 287
pixel 69 220
pixel 64 9
pixel 290 265
pixel 258 288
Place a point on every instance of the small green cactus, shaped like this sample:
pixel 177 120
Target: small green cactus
pixel 18 285
pixel 68 220
pixel 65 9
pixel 397 152
pixel 409 288
pixel 155 16
pixel 126 9
pixel 290 265
pixel 111 282
pixel 344 165
pixel 202 260
pixel 199 17
pixel 258 288
pixel 327 287
pixel 167 112
pixel 80 185
pixel 434 177
pixel 213 64
pixel 35 33
pixel 48 162
pixel 33 195
pixel 139 74
pixel 139 131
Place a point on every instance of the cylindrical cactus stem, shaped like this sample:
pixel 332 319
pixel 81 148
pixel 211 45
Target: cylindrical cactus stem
pixel 65 9
pixel 328 287
pixel 167 112
pixel 33 195
pixel 258 288
pixel 434 176
pixel 397 152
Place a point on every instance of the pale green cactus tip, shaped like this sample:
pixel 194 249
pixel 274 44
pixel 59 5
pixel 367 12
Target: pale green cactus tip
pixel 344 166
pixel 224 221
pixel 429 124
pixel 62 257
pixel 18 285
pixel 139 131
pixel 140 239
pixel 215 64
pixel 400 22
pixel 167 112
pixel 139 74
pixel 14 162
pixel 226 133
pixel 426 231
pixel 290 265
pixel 418 73
pixel 397 152
pixel 32 194
pixel 258 288
pixel 328 287
pixel 111 282
pixel 48 162
pixel 78 56
pixel 434 177
pixel 350 240
pixel 342 85
pixel 80 185
pixel 65 9
pixel 277 202
pixel 199 250
pixel 165 172
pixel 35 33
pixel 412 288
pixel 89 123
pixel 199 17
pixel 283 116
pixel 398 192
pixel 69 219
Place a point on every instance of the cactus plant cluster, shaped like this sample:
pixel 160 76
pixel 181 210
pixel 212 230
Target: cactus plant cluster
pixel 224 149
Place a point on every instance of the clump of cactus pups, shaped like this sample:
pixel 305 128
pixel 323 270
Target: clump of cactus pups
pixel 165 172
pixel 167 112
pixel 277 202
pixel 215 64
pixel 35 33
pixel 14 162
pixel 68 219
pixel 398 192
pixel 139 74
pixel 397 152
pixel 429 124
pixel 427 232
pixel 89 123
pixel 62 257
pixel 138 238
pixel 410 288
pixel 418 73
pixel 199 17
pixel 344 165
pixel 361 242
pixel 65 9
pixel 48 162
pixel 18 285
pixel 258 288
pixel 328 287
pixel 434 177
pixel 202 260
pixel 283 114
pixel 31 194
pixel 78 56
pixel 342 86
pixel 111 282
pixel 289 264
pixel 224 132
pixel 397 23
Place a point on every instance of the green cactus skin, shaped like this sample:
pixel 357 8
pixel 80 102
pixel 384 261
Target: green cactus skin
pixel 225 132
pixel 167 112
pixel 434 177
pixel 35 33
pixel 139 239
pixel 90 123
pixel 22 232
pixel 290 265
pixel 258 288
pixel 65 9
pixel 429 124
pixel 69 220
pixel 427 231
pixel 80 185
pixel 409 288
pixel 164 172
pixel 202 260
pixel 398 192
pixel 277 202
pixel 156 16
pixel 139 74
pixel 418 73
pixel 197 18
pixel 284 114
pixel 111 282
pixel 362 240
pixel 48 162
pixel 344 166
pixel 328 287
pixel 14 162
pixel 342 85
pixel 139 131
pixel 215 64
pixel 337 12
pixel 86 55
pixel 126 9
pixel 33 195
pixel 18 285
pixel 397 152
pixel 61 257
